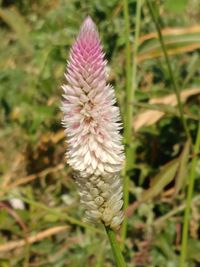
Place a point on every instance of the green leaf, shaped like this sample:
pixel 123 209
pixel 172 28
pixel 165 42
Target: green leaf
pixel 51 218
pixel 159 182
pixel 183 168
pixel 4 263
pixel 13 18
pixel 193 250
pixel 175 41
pixel 193 66
pixel 164 245
pixel 176 6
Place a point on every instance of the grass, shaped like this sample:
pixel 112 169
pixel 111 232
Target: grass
pixel 131 86
pixel 153 55
pixel 190 192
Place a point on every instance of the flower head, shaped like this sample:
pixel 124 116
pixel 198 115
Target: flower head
pixel 92 126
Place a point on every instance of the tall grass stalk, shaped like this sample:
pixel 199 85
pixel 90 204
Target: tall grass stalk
pixel 190 191
pixel 173 80
pixel 131 71
pixel 195 148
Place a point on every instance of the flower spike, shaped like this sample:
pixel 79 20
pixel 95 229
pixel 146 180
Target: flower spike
pixel 92 126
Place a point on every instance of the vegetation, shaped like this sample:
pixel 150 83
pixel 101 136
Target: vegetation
pixel 153 54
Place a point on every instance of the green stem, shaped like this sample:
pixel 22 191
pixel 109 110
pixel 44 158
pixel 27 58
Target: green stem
pixel 174 84
pixel 130 94
pixel 115 248
pixel 128 115
pixel 188 201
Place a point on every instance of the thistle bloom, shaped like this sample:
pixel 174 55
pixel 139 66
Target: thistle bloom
pixel 92 125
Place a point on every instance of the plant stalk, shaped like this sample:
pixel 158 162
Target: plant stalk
pixel 115 248
pixel 131 85
pixel 190 191
pixel 174 83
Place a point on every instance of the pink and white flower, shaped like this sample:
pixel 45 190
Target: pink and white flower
pixel 92 126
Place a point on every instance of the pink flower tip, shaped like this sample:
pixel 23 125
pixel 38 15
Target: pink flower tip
pixel 88 31
pixel 88 23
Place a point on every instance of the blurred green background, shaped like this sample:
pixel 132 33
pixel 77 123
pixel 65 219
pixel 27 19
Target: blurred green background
pixel 40 215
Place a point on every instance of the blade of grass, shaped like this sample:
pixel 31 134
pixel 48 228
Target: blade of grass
pixel 170 42
pixel 173 80
pixel 164 177
pixel 183 168
pixel 171 32
pixel 171 51
pixel 192 68
pixel 189 201
pixel 130 92
pixel 173 212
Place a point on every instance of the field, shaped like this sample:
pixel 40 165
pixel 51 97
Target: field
pixel 153 54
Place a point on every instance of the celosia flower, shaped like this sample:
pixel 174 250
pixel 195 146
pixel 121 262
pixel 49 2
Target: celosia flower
pixel 92 123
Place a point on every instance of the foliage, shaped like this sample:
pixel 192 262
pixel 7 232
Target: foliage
pixel 35 41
